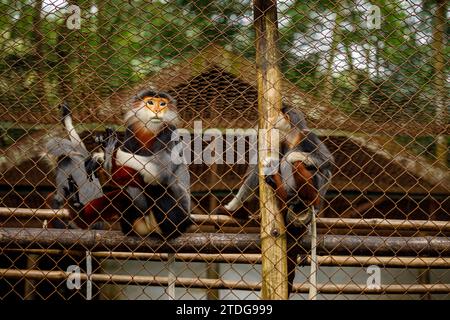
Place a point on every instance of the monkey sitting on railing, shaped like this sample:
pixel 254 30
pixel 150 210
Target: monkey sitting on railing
pixel 153 194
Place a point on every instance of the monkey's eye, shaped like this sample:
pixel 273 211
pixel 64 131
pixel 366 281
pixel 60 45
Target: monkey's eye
pixel 150 102
pixel 163 104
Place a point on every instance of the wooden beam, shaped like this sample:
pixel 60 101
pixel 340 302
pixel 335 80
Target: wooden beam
pixel 386 262
pixel 28 213
pixel 384 224
pixel 359 210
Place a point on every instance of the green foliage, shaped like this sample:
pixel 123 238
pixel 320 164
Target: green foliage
pixel 121 43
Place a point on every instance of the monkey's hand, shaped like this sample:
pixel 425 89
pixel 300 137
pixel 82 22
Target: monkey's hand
pixel 98 157
pixel 110 139
pixel 303 157
pixel 71 192
pixel 270 166
pixel 91 166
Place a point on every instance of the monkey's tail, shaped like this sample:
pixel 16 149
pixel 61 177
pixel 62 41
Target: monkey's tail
pixel 76 182
pixel 66 118
pixel 56 147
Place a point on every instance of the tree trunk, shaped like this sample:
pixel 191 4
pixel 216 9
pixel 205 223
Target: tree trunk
pixel 39 54
pixel 439 78
pixel 327 91
pixel 65 69
pixel 364 83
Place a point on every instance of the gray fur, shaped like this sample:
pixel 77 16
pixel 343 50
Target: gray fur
pixel 317 152
pixel 71 163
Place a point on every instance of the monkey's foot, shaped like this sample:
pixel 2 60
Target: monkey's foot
pixel 142 227
pixel 237 214
pixel 233 205
pixel 298 219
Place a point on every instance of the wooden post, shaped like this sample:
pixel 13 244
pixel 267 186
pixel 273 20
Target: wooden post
pixel 273 233
pixel 213 269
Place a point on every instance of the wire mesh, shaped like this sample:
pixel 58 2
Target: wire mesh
pixel 370 79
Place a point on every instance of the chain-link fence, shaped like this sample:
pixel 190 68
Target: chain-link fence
pixel 155 200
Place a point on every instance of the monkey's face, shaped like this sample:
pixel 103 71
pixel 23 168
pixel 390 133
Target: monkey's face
pixel 289 133
pixel 153 113
pixel 283 123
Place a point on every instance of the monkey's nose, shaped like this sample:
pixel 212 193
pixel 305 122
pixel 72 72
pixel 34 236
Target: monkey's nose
pixel 159 112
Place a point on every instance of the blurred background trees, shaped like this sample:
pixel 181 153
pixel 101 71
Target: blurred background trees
pixel 398 71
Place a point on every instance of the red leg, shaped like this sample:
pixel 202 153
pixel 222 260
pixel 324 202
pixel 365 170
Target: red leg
pixel 107 207
pixel 304 181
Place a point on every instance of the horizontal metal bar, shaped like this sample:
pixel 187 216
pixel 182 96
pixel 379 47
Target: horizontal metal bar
pixel 141 280
pixel 224 220
pixel 96 240
pixel 251 258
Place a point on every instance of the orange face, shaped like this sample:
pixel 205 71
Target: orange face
pixel 156 105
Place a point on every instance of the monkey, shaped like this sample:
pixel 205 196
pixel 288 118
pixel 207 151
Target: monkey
pixel 152 194
pixel 302 154
pixel 71 155
pixel 300 181
pixel 77 182
pixel 142 164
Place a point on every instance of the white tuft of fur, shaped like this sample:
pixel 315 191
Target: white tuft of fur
pixel 282 124
pixel 152 121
